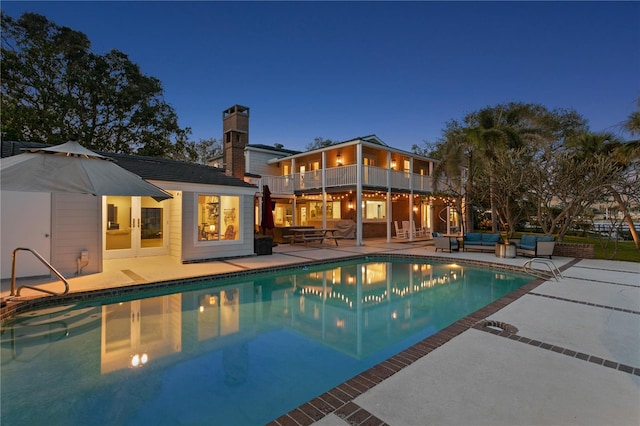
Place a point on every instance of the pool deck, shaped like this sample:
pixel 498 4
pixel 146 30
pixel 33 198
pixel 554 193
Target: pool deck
pixel 568 352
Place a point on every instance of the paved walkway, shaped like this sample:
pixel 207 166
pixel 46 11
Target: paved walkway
pixel 559 353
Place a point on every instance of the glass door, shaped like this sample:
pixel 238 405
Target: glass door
pixel 134 227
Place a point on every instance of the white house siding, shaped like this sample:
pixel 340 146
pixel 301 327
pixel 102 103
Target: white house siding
pixel 193 250
pixel 76 224
pixel 175 224
pixel 25 222
pixel 257 162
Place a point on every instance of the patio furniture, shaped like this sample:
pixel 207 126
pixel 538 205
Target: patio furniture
pixel 304 235
pixel 480 241
pixel 411 230
pixel 505 250
pixel 535 245
pixel 345 229
pixel 281 233
pixel 446 243
pixel 400 232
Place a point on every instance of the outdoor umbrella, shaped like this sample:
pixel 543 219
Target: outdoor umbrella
pixel 72 168
pixel 267 209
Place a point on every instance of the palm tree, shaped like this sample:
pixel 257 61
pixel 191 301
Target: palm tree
pixel 632 124
pixel 494 131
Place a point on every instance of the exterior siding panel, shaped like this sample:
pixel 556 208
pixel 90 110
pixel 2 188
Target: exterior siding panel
pixel 76 225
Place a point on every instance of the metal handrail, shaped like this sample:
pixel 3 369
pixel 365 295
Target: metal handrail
pixel 554 272
pixel 47 264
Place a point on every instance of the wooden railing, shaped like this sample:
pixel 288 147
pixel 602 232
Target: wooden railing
pixel 347 176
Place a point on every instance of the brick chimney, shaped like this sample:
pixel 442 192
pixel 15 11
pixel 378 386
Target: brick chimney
pixel 235 137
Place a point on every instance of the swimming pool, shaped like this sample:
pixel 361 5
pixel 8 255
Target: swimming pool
pixel 239 351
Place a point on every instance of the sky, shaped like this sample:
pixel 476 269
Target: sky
pixel 341 70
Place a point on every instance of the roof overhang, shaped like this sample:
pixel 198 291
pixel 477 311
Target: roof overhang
pixel 368 141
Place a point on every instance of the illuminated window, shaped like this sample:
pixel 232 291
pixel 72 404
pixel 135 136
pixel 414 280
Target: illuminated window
pixel 333 210
pixel 218 218
pixel 374 210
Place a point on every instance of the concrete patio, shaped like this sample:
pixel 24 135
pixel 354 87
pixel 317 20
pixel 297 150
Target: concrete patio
pixel 564 353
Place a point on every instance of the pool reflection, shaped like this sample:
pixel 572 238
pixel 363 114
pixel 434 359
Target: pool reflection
pixel 237 351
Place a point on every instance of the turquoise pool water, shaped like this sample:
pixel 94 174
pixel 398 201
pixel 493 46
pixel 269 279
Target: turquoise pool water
pixel 241 351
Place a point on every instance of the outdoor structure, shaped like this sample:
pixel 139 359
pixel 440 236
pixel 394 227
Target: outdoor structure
pixel 210 216
pixel 364 180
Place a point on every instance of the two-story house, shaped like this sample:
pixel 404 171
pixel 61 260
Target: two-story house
pixel 362 179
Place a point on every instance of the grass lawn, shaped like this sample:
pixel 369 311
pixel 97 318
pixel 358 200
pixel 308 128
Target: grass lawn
pixel 626 250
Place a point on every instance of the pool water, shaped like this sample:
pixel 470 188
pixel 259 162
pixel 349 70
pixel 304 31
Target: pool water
pixel 241 351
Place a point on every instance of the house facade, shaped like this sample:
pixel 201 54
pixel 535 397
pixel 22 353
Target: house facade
pixel 210 216
pixel 364 180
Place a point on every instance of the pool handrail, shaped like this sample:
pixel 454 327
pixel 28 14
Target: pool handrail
pixel 554 272
pixel 47 264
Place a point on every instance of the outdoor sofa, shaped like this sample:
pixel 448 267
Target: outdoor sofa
pixel 480 241
pixel 535 245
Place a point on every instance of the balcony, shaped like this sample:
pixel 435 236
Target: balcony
pixel 346 176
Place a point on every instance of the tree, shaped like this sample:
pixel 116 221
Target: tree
pixel 565 185
pixel 625 155
pixel 511 177
pixel 55 89
pixel 318 143
pixel 632 124
pixel 203 151
pixel 449 178
pixel 483 142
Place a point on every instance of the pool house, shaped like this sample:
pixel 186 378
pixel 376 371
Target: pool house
pixel 210 216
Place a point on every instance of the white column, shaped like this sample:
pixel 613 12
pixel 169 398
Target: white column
pixel 324 189
pixel 389 198
pixel 294 213
pixel 359 193
pixel 411 224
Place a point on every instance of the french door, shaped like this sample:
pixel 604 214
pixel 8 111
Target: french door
pixel 134 227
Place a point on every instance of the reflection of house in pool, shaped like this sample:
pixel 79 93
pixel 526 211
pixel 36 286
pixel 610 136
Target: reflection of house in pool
pixel 393 301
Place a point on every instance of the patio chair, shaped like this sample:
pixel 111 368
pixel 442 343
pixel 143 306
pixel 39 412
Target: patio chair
pixel 420 232
pixel 400 232
pixel 446 243
pixel 414 232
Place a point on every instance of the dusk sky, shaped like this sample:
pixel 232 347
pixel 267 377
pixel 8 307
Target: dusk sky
pixel 340 70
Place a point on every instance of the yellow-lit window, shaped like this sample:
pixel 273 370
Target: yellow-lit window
pixel 374 209
pixel 218 218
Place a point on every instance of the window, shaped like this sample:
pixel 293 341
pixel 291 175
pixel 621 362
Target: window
pixel 374 210
pixel 218 218
pixel 333 209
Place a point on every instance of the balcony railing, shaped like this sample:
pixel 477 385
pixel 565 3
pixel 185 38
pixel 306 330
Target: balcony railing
pixel 346 176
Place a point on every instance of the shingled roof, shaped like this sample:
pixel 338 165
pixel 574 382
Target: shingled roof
pixel 151 168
